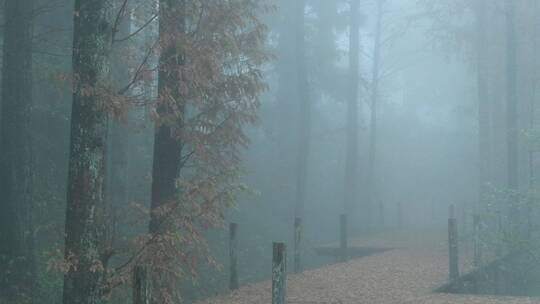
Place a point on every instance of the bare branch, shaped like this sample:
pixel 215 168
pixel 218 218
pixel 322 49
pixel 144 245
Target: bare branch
pixel 138 30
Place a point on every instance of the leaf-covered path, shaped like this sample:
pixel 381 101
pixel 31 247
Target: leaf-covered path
pixel 408 274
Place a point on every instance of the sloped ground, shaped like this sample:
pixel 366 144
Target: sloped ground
pixel 407 274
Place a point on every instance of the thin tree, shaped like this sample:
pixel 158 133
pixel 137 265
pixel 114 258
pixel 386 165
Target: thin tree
pixel 85 227
pixel 118 135
pixel 351 160
pixel 375 75
pixel 304 125
pixel 483 101
pixel 16 230
pixel 534 87
pixel 532 116
pixel 511 107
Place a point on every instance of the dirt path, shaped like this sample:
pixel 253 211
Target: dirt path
pixel 407 274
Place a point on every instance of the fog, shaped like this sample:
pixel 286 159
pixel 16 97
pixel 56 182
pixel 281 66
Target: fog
pixel 167 151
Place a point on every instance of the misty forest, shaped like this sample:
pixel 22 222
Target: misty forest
pixel 270 151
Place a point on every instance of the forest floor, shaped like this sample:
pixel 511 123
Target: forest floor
pixel 408 274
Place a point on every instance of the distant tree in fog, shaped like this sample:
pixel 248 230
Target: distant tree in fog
pixel 482 61
pixel 304 112
pixel 351 160
pixel 17 264
pixel 373 185
pixel 511 102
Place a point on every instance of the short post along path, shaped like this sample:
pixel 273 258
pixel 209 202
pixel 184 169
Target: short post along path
pixel 408 274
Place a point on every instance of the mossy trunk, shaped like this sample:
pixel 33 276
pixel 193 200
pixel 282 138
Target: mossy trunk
pixel 85 226
pixel 16 232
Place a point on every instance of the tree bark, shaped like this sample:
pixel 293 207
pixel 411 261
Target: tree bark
pixel 16 230
pixel 85 226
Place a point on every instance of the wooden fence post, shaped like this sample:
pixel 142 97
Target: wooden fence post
pixel 399 216
pixel 141 293
pixel 279 273
pixel 343 237
pixel 381 215
pixel 453 246
pixel 476 239
pixel 530 216
pixel 463 220
pixel 233 244
pixel 297 244
pixel 498 244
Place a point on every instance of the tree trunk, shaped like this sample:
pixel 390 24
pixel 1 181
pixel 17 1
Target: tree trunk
pixel 85 225
pixel 304 123
pixel 16 231
pixel 116 189
pixel 483 102
pixel 511 109
pixel 351 160
pixel 167 143
pixel 532 119
pixel 118 137
pixel 372 174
